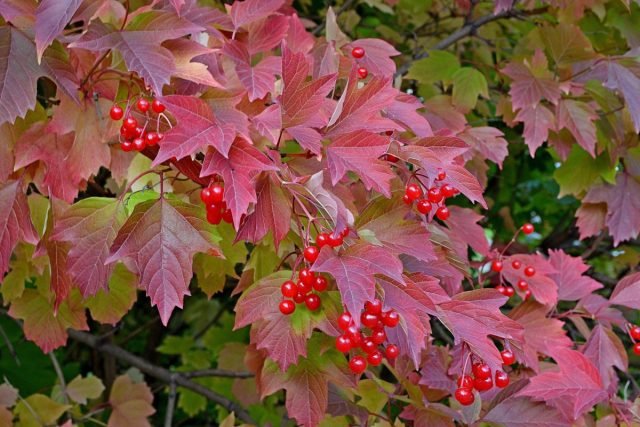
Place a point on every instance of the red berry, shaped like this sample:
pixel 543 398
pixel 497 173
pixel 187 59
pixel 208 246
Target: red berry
pixel 483 384
pixel 311 253
pixel 343 343
pixel 508 358
pixel 345 232
pixel 157 106
pixel 527 294
pixel 289 289
pixel 527 228
pixel 522 285
pixel 126 146
pixel 363 73
pixel 320 284
pixel 344 321
pixel 442 175
pixel 335 240
pixel 391 319
pixel 434 195
pixel 465 382
pixel 502 379
pixel 516 264
pixel 143 105
pixel 354 335
pixel 481 370
pixel 496 265
pixel 322 240
pixel 369 345
pixel 299 298
pixel 312 301
pixel 392 351
pixel 413 192
pixel 634 331
pixel 636 348
pixel 373 307
pixel 130 123
pixel 357 364
pixel 139 144
pixel 206 196
pixel 287 306
pixel 305 275
pixel 501 289
pixel 357 52
pixel 529 271
pixel 443 213
pixel 406 200
pixel 116 113
pixel 217 193
pixel 369 320
pixel 138 132
pixel 447 191
pixel 379 336
pixel 424 206
pixel 509 291
pixel 152 138
pixel 464 396
pixel 227 216
pixel 303 287
pixel 214 216
pixel 375 358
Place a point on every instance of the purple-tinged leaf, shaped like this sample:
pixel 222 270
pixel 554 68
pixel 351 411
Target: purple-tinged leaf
pixel 15 222
pixel 537 120
pixel 184 51
pixel 543 288
pixel 267 33
pixel 51 18
pixel 532 82
pixel 377 59
pixel 627 83
pixel 247 11
pixel 298 38
pixel 627 292
pixel 177 5
pixel 403 110
pixel 578 117
pixel 590 219
pixel 488 142
pixel 259 80
pixel 605 349
pixel 572 283
pixel 463 223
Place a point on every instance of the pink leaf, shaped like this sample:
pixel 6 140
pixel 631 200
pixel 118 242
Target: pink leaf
pixel 267 33
pixel 403 110
pixel 298 38
pixel 532 82
pixel 259 80
pixel 51 18
pixel 15 222
pixel 605 349
pixel 537 120
pixel 627 83
pixel 543 288
pixel 627 292
pixel 591 218
pixel 377 59
pixel 245 12
pixel 572 283
pixel 463 223
pixel 488 142
pixel 578 117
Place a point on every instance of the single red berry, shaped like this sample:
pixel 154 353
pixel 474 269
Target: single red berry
pixel 357 52
pixel 375 358
pixel 413 192
pixel 379 336
pixel 354 335
pixel 305 275
pixel 130 123
pixel 299 298
pixel 322 240
pixel 509 291
pixel 320 284
pixel 391 318
pixel 496 266
pixel 139 144
pixel 312 301
pixel 508 358
pixel 443 213
pixel 344 321
pixel 527 294
pixel 465 382
pixel 391 352
pixel 345 232
pixel 217 193
pixel 516 264
pixel 303 287
pixel 406 200
pixel 464 396
pixel 481 370
pixel 502 379
pixel 369 345
pixel 527 228
pixel 126 146
pixel 363 73
pixel 289 289
pixel 483 384
pixel 501 289
pixel 214 216
pixel 357 364
pixel 116 113
pixel 634 331
pixel 335 240
pixel 343 343
pixel 447 191
pixel 157 106
pixel 522 285
pixel 143 105
pixel 227 216
pixel 311 253
pixel 287 306
pixel 636 348
pixel 434 195
pixel 137 132
pixel 206 196
pixel 442 175
pixel 424 206
pixel 390 157
pixel 529 271
pixel 128 133
pixel 373 307
pixel 369 320
pixel 152 138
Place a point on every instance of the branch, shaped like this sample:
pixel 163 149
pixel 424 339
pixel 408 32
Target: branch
pixel 216 373
pixel 159 373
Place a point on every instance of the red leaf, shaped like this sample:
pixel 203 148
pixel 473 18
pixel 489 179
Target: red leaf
pixel 15 220
pixel 465 182
pixel 298 39
pixel 360 152
pixel 590 218
pixel 543 288
pixel 578 117
pixel 532 82
pixel 194 70
pixel 605 350
pixel 537 120
pixel 267 33
pixel 488 142
pixel 8 135
pixel 622 78
pixel 377 59
pixel 51 18
pixel 245 12
pixel 354 270
pixel 627 292
pixel 159 239
pixel 403 110
pixel 572 283
pixel 259 80
pixel 463 224
pixel 573 390
pixel 197 128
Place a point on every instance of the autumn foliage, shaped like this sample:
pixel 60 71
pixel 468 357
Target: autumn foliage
pixel 383 213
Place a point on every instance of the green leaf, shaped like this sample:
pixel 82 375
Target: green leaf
pixel 81 389
pixel 438 66
pixel 580 170
pixel 46 411
pixel 468 84
pixel 174 344
pixel 109 307
pixel 372 396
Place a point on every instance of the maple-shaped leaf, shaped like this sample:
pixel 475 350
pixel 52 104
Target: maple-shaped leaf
pixel 51 18
pixel 184 51
pixel 623 202
pixel 298 38
pixel 238 171
pixel 159 239
pixel 272 213
pixel 259 79
pixel 543 288
pixel 403 110
pixel 532 82
pixel 627 83
pixel 590 219
pixel 267 33
pixel 82 389
pixel 39 409
pixel 140 43
pixel 109 306
pixel 16 222
pixel 360 152
pixel 41 325
pixel 378 56
pixel 542 334
pixel 463 224
pixel 627 292
pixel 537 120
pixel 578 117
pixel 572 283
pixel 91 225
pixel 488 142
pixel 566 43
pixel 247 11
pixel 197 128
pixel 605 349
pixel 354 270
pixel 573 390
pixel 131 403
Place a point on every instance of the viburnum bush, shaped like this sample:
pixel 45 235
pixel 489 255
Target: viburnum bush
pixel 341 216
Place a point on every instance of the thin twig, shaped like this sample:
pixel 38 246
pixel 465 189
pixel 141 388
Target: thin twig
pixel 63 383
pixel 216 373
pixel 171 402
pixel 12 351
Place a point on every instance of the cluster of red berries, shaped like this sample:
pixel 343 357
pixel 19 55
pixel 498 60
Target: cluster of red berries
pixel 358 53
pixel 375 320
pixel 482 379
pixel 529 271
pixel 301 292
pixel 435 195
pixel 634 333
pixel 213 198
pixel 134 136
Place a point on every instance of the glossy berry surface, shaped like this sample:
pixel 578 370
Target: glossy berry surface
pixel 636 348
pixel 130 123
pixel 335 240
pixel 391 319
pixel 157 106
pixel 369 320
pixel 287 307
pixel 529 271
pixel 516 264
pixel 391 352
pixel 375 358
pixel 483 384
pixel 368 345
pixel 423 206
pixel 322 240
pixel 522 285
pixel 508 358
pixel 502 379
pixel 465 382
pixel 373 307
pixel 464 396
pixel 481 370
pixel 311 253
pixel 528 228
pixel 634 331
pixel 143 105
pixel 289 289
pixel 344 321
pixel 357 52
pixel 116 113
pixel 379 336
pixel 357 364
pixel 434 195
pixel 320 284
pixel 509 291
pixel 496 265
pixel 413 192
pixel 363 73
pixel 343 344
pixel 443 213
pixel 447 191
pixel 312 301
